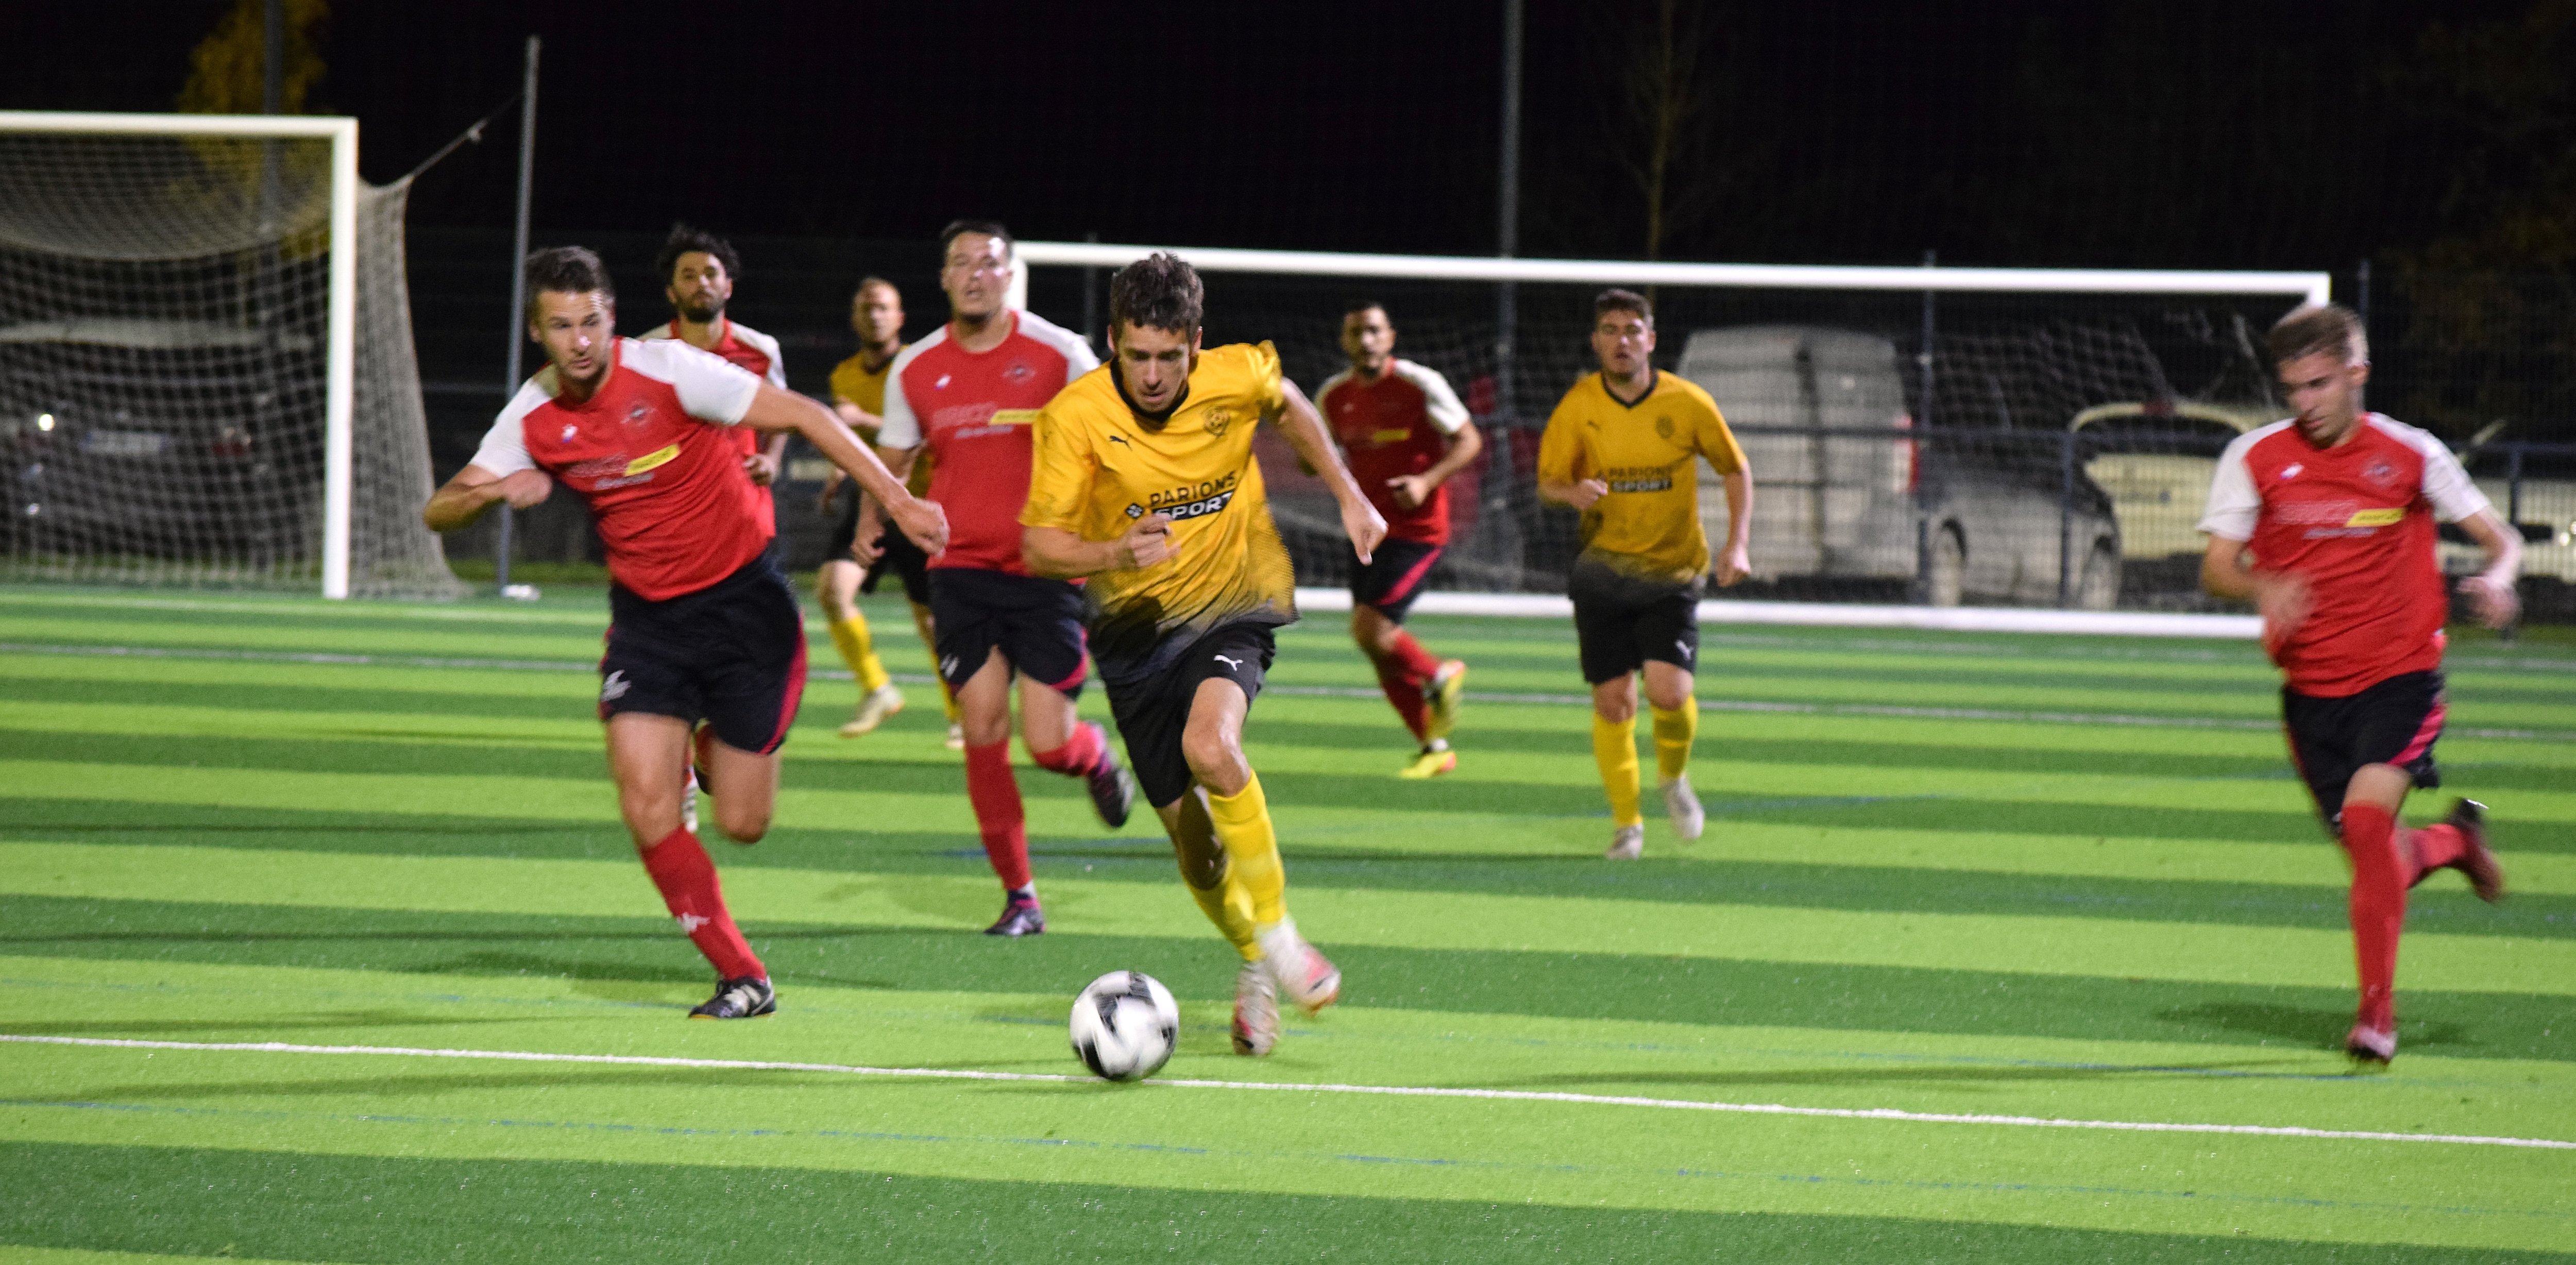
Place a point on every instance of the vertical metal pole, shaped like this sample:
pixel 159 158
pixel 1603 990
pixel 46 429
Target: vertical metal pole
pixel 2361 294
pixel 1922 443
pixel 2513 487
pixel 1507 219
pixel 2066 521
pixel 519 278
pixel 272 93
pixel 1091 300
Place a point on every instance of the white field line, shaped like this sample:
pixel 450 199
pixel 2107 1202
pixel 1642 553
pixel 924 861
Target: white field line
pixel 1303 691
pixel 1389 1091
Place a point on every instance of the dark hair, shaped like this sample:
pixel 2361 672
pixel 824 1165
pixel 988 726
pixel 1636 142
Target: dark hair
pixel 1160 291
pixel 686 240
pixel 989 228
pixel 565 270
pixel 865 282
pixel 2311 328
pixel 1615 299
pixel 1357 306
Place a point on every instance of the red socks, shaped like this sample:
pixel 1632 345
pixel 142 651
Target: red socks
pixel 687 879
pixel 2380 877
pixel 997 810
pixel 2435 847
pixel 1402 674
pixel 1080 756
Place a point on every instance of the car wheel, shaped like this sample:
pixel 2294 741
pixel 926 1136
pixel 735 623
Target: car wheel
pixel 2098 589
pixel 1946 578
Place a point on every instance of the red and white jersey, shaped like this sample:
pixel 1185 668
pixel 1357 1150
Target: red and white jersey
pixel 973 411
pixel 1397 425
pixel 652 452
pixel 746 348
pixel 2357 521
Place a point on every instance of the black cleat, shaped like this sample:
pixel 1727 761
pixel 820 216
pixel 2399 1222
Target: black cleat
pixel 1113 788
pixel 2486 878
pixel 1019 918
pixel 747 997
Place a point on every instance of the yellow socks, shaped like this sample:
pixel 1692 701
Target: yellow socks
pixel 1252 849
pixel 1229 906
pixel 851 636
pixel 1614 748
pixel 1674 731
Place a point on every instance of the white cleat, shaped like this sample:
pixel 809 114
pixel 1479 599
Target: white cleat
pixel 956 736
pixel 689 799
pixel 1306 978
pixel 1256 1011
pixel 881 702
pixel 1627 844
pixel 1681 804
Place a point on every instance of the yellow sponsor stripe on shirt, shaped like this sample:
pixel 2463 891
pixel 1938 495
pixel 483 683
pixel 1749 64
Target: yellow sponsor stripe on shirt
pixel 650 460
pixel 2376 518
pixel 1014 416
pixel 1391 436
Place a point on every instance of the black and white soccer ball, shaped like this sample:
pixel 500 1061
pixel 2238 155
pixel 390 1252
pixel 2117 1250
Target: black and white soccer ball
pixel 1124 1025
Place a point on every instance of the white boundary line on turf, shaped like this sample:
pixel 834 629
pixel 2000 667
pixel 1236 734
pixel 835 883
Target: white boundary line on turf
pixel 1840 615
pixel 1391 1091
pixel 339 660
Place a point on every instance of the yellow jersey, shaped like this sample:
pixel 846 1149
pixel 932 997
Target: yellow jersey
pixel 1646 528
pixel 854 383
pixel 1098 467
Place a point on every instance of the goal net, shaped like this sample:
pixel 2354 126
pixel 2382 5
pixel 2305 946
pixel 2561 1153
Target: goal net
pixel 206 365
pixel 1917 435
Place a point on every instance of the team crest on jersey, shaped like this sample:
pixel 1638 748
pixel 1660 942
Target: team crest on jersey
pixel 940 385
pixel 570 430
pixel 2291 471
pixel 1218 420
pixel 2380 472
pixel 1019 372
pixel 1134 510
pixel 1664 427
pixel 638 413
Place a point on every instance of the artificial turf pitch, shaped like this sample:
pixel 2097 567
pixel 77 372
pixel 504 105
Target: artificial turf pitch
pixel 2052 878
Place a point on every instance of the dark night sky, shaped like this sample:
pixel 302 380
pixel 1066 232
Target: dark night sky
pixel 2185 133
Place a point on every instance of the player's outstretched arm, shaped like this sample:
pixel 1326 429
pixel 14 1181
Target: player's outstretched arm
pixel 2281 597
pixel 1304 431
pixel 1735 558
pixel 1060 554
pixel 474 489
pixel 775 410
pixel 866 543
pixel 2492 589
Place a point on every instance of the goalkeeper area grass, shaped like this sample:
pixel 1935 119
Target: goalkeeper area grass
pixel 2004 910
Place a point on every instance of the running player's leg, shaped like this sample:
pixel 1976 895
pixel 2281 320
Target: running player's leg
pixel 1424 691
pixel 928 630
pixel 1045 640
pixel 2381 873
pixel 984 709
pixel 1212 743
pixel 1667 636
pixel 642 747
pixel 1607 648
pixel 836 590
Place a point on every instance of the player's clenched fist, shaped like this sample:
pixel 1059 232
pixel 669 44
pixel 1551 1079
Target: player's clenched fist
pixel 925 522
pixel 1148 543
pixel 1364 525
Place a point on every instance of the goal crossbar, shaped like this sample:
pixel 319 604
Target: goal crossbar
pixel 340 383
pixel 2312 287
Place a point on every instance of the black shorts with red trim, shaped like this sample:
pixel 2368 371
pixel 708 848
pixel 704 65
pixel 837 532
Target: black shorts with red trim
pixel 2395 722
pixel 1153 708
pixel 1035 622
pixel 1394 575
pixel 731 654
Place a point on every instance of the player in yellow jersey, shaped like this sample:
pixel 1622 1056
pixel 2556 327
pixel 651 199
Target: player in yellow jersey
pixel 1624 447
pixel 1143 480
pixel 858 395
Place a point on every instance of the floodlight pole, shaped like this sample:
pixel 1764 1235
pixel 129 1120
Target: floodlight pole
pixel 519 278
pixel 1507 228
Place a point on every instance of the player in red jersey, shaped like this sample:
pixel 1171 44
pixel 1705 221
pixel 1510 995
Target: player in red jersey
pixel 2335 509
pixel 1404 433
pixel 703 626
pixel 967 395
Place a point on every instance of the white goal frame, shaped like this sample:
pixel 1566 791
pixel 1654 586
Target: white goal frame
pixel 340 385
pixel 2306 287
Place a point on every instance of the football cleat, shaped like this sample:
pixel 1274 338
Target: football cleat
pixel 1432 762
pixel 1113 788
pixel 2367 1044
pixel 881 702
pixel 1440 697
pixel 748 997
pixel 1306 978
pixel 1681 803
pixel 1627 844
pixel 1020 917
pixel 2486 878
pixel 1256 1011
pixel 956 736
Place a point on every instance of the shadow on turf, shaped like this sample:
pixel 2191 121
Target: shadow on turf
pixel 191 1027
pixel 2300 1025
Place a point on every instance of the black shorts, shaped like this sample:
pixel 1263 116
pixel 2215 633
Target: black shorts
pixel 731 654
pixel 1036 623
pixel 1393 576
pixel 1153 711
pixel 899 557
pixel 1621 624
pixel 2394 722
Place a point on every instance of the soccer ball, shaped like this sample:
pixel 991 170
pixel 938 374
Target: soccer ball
pixel 1124 1024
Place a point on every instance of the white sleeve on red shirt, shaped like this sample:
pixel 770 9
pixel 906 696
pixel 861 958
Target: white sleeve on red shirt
pixel 2234 504
pixel 1079 358
pixel 2446 484
pixel 505 447
pixel 901 430
pixel 1438 401
pixel 711 388
pixel 768 346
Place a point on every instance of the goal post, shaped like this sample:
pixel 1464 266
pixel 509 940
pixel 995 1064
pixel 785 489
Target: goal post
pixel 188 286
pixel 1919 436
